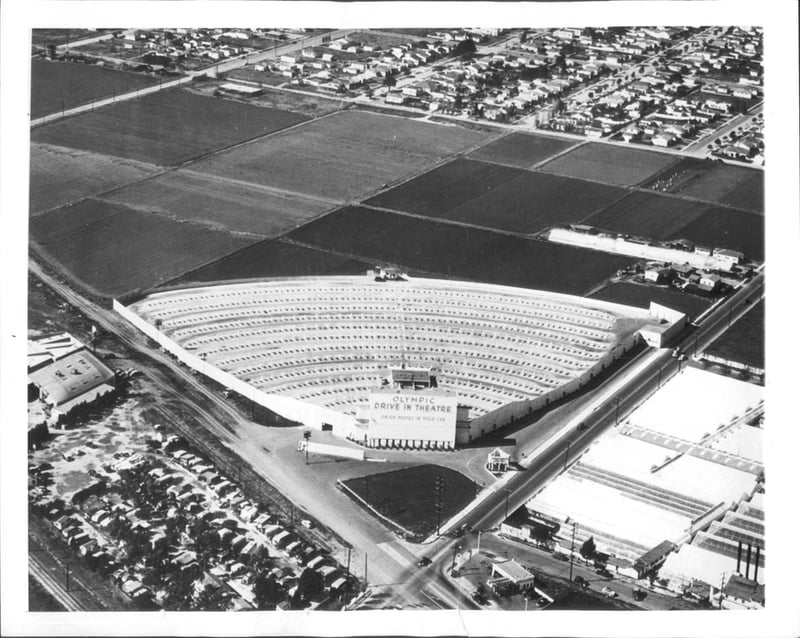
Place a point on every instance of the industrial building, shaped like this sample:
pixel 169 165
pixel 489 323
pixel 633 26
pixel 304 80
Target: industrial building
pixel 416 363
pixel 679 495
pixel 64 377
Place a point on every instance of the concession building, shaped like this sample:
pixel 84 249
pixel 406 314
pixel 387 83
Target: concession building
pixel 416 363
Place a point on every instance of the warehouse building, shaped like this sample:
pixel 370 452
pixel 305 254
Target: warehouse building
pixel 65 378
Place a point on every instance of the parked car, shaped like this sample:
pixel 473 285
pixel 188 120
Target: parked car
pixel 424 561
pixel 608 592
pixel 580 580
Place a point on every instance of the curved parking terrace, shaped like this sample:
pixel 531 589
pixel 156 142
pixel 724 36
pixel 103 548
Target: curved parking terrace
pixel 329 341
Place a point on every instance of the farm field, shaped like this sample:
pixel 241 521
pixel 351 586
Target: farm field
pixel 609 164
pixel 220 203
pixel 521 150
pixel 640 296
pixel 458 252
pixel 713 181
pixel 63 175
pixel 648 215
pixel 497 197
pixel 272 258
pixel 744 341
pixel 112 249
pixel 166 128
pixel 344 155
pixel 57 85
pixel 407 496
pixel 721 228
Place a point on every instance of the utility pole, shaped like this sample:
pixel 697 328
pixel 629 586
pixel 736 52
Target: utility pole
pixel 566 457
pixel 616 419
pixel 349 549
pixel 478 548
pixel 508 492
pixel 365 571
pixel 572 551
pixel 438 488
pixel 66 571
pixel 307 436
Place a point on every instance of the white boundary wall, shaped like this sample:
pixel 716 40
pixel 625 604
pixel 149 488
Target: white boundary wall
pixel 305 413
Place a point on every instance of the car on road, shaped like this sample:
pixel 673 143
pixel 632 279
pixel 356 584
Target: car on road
pixel 608 592
pixel 603 571
pixel 424 561
pixel 560 556
pixel 542 602
pixel 582 427
pixel 580 580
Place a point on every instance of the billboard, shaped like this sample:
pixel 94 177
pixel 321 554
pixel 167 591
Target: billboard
pixel 422 415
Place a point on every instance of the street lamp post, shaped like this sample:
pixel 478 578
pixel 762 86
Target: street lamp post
pixel 508 492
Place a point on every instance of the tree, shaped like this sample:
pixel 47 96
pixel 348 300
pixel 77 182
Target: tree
pixel 467 47
pixel 588 549
pixel 389 81
pixel 309 585
pixel 267 591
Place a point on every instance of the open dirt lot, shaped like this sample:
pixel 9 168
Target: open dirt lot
pixel 446 250
pixel 165 128
pixel 640 296
pixel 498 197
pixel 220 202
pixel 57 85
pixel 609 164
pixel 112 249
pixel 344 155
pixel 521 150
pixel 648 215
pixel 713 181
pixel 272 258
pixel 63 175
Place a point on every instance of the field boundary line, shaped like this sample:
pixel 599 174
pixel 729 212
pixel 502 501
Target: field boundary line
pixel 452 222
pixel 552 158
pixel 261 187
pixel 250 140
pixel 418 271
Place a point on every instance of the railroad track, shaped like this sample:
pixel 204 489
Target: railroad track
pixel 53 587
